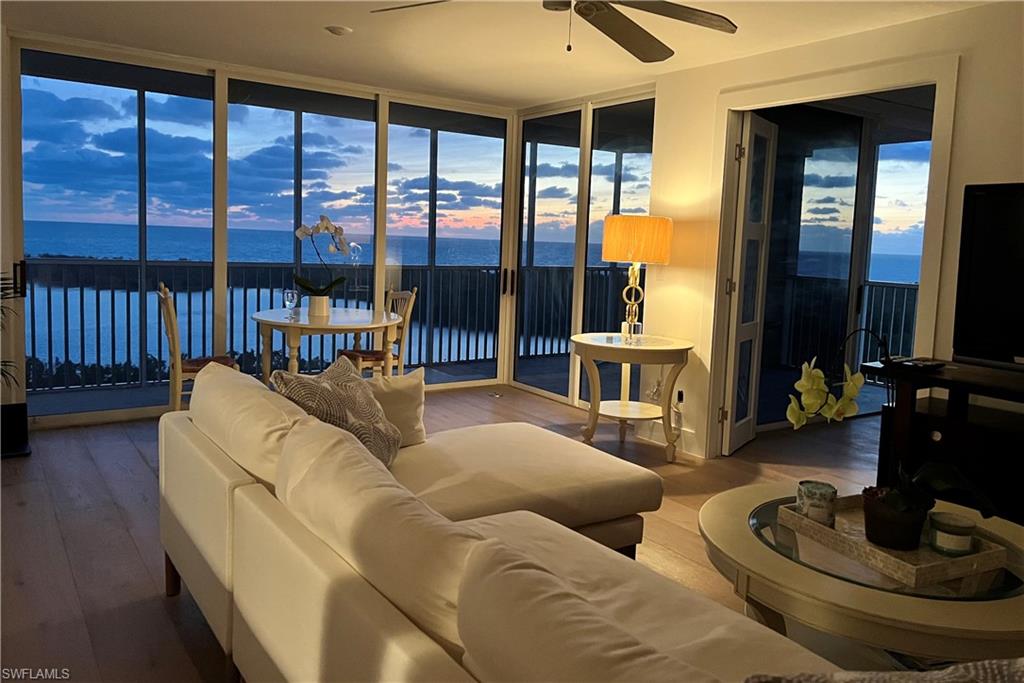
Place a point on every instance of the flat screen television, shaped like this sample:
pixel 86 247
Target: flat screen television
pixel 989 324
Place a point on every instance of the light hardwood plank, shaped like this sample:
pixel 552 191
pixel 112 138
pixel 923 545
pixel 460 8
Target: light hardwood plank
pixel 42 621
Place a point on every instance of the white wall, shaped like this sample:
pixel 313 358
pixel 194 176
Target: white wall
pixel 987 146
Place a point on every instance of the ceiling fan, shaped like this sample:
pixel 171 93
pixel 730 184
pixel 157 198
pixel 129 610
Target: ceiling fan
pixel 621 29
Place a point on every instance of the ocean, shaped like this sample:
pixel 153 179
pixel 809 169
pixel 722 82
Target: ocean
pixel 245 245
pixel 82 326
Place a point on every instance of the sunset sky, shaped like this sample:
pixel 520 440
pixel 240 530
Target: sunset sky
pixel 80 165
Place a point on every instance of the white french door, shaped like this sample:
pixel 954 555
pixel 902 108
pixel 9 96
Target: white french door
pixel 747 282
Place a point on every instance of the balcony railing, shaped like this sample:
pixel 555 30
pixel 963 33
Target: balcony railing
pixel 83 316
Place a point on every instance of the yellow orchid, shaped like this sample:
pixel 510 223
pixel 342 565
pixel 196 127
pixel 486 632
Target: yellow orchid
pixel 816 399
pixel 795 414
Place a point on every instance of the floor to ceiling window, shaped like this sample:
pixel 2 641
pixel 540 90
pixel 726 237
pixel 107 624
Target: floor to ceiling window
pixel 294 155
pixel 445 182
pixel 117 187
pixel 547 248
pixel 620 182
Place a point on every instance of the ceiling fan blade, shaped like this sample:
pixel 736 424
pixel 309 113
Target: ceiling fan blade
pixel 557 5
pixel 624 31
pixel 682 13
pixel 409 6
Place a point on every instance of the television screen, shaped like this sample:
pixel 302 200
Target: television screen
pixel 989 324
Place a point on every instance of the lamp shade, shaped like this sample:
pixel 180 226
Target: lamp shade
pixel 637 239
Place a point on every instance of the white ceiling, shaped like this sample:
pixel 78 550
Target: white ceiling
pixel 503 53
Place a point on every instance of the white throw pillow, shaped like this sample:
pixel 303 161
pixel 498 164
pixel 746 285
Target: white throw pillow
pixel 520 622
pixel 401 397
pixel 412 555
pixel 245 419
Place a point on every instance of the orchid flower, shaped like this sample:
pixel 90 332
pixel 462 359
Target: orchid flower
pixel 816 399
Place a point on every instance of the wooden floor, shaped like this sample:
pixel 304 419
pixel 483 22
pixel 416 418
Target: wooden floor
pixel 83 568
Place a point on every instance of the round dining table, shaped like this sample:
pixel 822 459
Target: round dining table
pixel 296 323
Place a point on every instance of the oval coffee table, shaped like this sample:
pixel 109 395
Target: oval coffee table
pixel 744 543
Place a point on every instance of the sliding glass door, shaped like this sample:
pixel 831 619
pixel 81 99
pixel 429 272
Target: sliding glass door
pixel 445 185
pixel 543 281
pixel 294 155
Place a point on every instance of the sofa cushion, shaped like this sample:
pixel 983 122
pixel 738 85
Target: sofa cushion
pixel 519 622
pixel 242 417
pixel 412 555
pixel 655 610
pixel 339 396
pixel 401 397
pixel 476 471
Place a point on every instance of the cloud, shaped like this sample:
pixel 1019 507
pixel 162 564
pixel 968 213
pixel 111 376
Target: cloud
pixel 40 105
pixel 419 133
pixel 553 192
pixel 829 181
pixel 899 203
pixel 823 200
pixel 394 167
pixel 186 110
pixel 636 209
pixel 879 220
pixel 565 170
pixel 822 210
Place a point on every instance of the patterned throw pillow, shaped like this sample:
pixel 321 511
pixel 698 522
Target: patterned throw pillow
pixel 339 396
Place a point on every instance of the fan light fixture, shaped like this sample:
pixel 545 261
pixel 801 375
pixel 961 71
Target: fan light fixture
pixel 338 30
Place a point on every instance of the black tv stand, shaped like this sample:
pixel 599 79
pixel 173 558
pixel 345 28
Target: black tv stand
pixel 985 443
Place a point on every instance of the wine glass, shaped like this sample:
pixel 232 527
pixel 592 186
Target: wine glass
pixel 291 298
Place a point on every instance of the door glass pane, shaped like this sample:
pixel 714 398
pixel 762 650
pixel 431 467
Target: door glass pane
pixel 338 182
pixel 261 210
pixel 810 243
pixel 758 168
pixel 751 270
pixel 96 242
pixel 547 251
pixel 743 378
pixel 620 176
pixel 445 185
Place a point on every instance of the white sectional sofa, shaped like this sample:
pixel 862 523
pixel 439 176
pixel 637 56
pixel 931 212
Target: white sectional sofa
pixel 347 575
pixel 483 554
pixel 232 435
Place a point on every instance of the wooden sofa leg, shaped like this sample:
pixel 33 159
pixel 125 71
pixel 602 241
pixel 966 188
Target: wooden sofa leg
pixel 628 550
pixel 172 579
pixel 231 672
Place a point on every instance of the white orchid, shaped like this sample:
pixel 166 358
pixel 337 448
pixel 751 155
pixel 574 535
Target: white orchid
pixel 815 398
pixel 337 244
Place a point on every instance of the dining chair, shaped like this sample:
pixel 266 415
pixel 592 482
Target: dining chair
pixel 182 369
pixel 402 303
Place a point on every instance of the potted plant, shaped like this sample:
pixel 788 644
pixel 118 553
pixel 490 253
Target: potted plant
pixel 320 294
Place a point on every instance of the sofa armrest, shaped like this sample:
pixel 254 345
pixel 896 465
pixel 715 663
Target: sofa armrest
pixel 310 614
pixel 197 480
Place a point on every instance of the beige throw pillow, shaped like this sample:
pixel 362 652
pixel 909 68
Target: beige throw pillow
pixel 401 397
pixel 340 397
pixel 412 555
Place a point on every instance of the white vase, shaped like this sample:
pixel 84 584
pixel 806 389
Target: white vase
pixel 319 306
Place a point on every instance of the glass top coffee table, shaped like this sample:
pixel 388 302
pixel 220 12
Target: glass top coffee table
pixel 996 585
pixel 782 577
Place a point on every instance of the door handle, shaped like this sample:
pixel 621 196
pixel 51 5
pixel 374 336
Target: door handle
pixel 504 281
pixel 860 299
pixel 19 275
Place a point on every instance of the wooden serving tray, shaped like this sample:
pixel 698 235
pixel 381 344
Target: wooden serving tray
pixel 914 568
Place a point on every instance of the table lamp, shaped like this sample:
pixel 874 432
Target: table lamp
pixel 635 240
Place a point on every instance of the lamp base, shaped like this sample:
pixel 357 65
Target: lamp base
pixel 632 294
